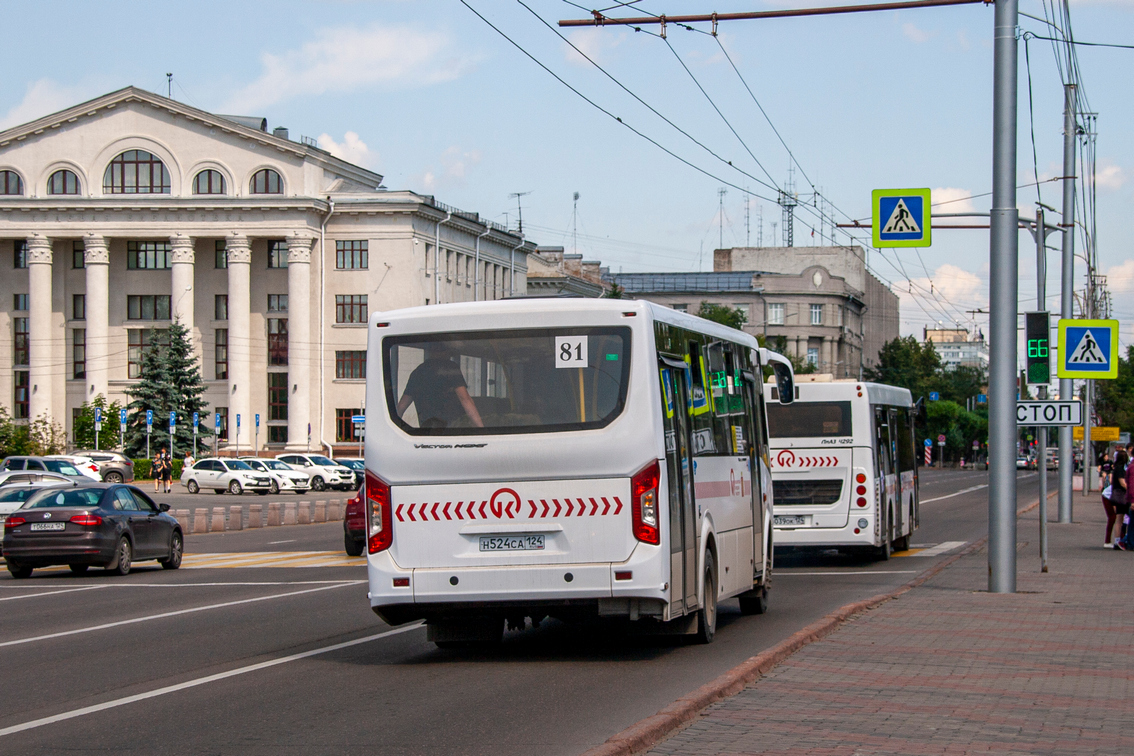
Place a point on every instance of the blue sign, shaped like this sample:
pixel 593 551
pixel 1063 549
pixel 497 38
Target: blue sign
pixel 149 417
pixel 238 421
pixel 934 396
pixel 196 417
pixel 257 419
pixel 217 422
pixel 358 419
pixel 1088 348
pixel 98 415
pixel 122 416
pixel 901 217
pixel 982 398
pixel 928 442
pixel 172 421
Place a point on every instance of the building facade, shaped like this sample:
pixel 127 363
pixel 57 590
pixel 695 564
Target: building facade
pixel 956 348
pixel 552 272
pixel 123 213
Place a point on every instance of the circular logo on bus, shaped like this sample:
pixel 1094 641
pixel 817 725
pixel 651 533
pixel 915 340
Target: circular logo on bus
pixel 785 458
pixel 503 501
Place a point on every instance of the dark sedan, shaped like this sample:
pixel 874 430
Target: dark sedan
pixel 100 525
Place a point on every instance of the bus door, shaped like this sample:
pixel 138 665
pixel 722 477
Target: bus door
pixel 901 515
pixel 679 469
pixel 883 470
pixel 755 449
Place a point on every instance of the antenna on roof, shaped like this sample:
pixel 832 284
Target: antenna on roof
pixel 169 85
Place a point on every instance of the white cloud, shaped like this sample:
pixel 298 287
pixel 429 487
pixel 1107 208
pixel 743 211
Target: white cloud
pixel 948 199
pixel 925 301
pixel 915 34
pixel 43 97
pixel 1110 176
pixel 352 149
pixel 347 59
pixel 1120 278
pixel 593 42
pixel 455 165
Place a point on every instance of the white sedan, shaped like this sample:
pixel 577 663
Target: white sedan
pixel 283 477
pixel 85 465
pixel 222 475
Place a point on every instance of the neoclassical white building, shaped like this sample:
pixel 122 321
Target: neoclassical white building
pixel 122 213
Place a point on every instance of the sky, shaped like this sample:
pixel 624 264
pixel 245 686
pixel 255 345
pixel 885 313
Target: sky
pixel 428 94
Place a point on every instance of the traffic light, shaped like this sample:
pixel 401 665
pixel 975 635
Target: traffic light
pixel 1037 332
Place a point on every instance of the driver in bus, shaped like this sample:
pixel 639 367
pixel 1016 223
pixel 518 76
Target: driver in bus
pixel 438 391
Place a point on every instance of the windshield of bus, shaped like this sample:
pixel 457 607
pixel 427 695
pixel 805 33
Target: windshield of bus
pixel 809 419
pixel 518 381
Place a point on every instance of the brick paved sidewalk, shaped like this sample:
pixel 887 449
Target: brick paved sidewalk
pixel 950 669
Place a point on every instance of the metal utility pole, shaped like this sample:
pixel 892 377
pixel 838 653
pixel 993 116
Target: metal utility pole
pixel 1067 290
pixel 1041 431
pixel 574 224
pixel 519 209
pixel 1003 271
pixel 720 214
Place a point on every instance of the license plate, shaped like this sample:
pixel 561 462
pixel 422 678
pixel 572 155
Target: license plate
pixel 511 543
pixel 789 520
pixel 48 526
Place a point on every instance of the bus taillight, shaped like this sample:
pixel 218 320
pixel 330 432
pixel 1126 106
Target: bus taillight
pixel 644 503
pixel 379 525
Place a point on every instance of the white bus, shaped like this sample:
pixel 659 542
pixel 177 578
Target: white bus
pixel 566 458
pixel 844 466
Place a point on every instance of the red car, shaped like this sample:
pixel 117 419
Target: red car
pixel 354 525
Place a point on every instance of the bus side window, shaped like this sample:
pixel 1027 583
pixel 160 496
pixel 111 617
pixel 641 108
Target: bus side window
pixel 705 435
pixel 882 440
pixel 907 455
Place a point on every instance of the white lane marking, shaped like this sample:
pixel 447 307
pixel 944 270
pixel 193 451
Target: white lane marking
pixel 163 615
pixel 857 572
pixel 197 682
pixel 957 493
pixel 52 593
pixel 939 549
pixel 290 540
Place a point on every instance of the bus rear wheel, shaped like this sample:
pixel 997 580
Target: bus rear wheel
pixel 707 617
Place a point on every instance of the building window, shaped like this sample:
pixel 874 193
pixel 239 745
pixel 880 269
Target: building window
pixel 78 255
pixel 743 308
pixel 776 314
pixel 266 181
pixel 10 183
pixel 221 254
pixel 138 341
pixel 79 352
pixel 20 350
pixel 20 302
pixel 816 314
pixel 23 381
pixel 220 423
pixel 351 364
pixel 148 255
pixel 277 303
pixel 136 172
pixel 208 182
pixel 813 356
pixel 78 306
pixel 277 434
pixel 63 182
pixel 277 396
pixel 277 253
pixel 220 355
pixel 352 255
pixel 20 254
pixel 681 307
pixel 277 342
pixel 350 308
pixel 220 307
pixel 344 425
pixel 147 307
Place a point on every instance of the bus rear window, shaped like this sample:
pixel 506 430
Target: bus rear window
pixel 519 381
pixel 809 419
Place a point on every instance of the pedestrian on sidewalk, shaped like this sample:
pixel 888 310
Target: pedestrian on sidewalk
pixel 1114 498
pixel 1126 543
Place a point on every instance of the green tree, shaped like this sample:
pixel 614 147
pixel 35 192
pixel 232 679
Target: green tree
pixel 733 317
pixel 614 292
pixel 905 362
pixel 799 365
pixel 188 390
pixel 83 427
pixel 1115 399
pixel 46 436
pixel 14 439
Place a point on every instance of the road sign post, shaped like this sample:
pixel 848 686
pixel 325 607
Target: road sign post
pixel 359 422
pixel 256 444
pixel 238 434
pixel 97 425
pixel 941 456
pixel 216 431
pixel 172 429
pixel 122 428
pixel 1088 349
pixel 902 217
pixel 196 419
pixel 149 430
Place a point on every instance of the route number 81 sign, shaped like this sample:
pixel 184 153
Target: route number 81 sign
pixel 570 351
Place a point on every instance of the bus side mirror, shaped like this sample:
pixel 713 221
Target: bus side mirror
pixel 785 382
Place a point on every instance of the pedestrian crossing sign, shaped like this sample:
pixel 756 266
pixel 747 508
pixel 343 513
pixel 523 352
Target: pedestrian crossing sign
pixel 902 218
pixel 1088 348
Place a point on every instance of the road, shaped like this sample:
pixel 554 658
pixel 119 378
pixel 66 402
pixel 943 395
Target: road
pixel 223 658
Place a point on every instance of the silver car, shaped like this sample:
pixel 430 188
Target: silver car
pixel 46 464
pixel 324 473
pixel 283 477
pixel 222 475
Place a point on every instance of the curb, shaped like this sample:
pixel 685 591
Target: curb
pixel 651 730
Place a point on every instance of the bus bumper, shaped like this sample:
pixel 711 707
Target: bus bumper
pixel 831 537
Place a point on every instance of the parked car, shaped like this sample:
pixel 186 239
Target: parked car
pixel 85 465
pixel 26 477
pixel 357 465
pixel 232 475
pixel 283 477
pixel 13 496
pixel 324 473
pixel 114 467
pixel 91 525
pixel 46 464
pixel 354 525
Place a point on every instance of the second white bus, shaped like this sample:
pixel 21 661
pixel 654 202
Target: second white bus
pixel 844 466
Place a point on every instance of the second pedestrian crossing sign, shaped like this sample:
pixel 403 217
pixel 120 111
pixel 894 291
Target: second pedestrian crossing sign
pixel 902 218
pixel 1088 348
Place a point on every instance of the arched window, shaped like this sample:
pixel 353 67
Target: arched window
pixel 10 183
pixel 266 181
pixel 208 182
pixel 63 182
pixel 136 172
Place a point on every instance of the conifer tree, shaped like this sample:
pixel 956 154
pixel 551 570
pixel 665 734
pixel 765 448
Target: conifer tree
pixel 153 392
pixel 184 376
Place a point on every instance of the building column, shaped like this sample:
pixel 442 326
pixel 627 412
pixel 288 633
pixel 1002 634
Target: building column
pixel 239 254
pixel 828 365
pixel 300 354
pixel 96 262
pixel 39 327
pixel 181 291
